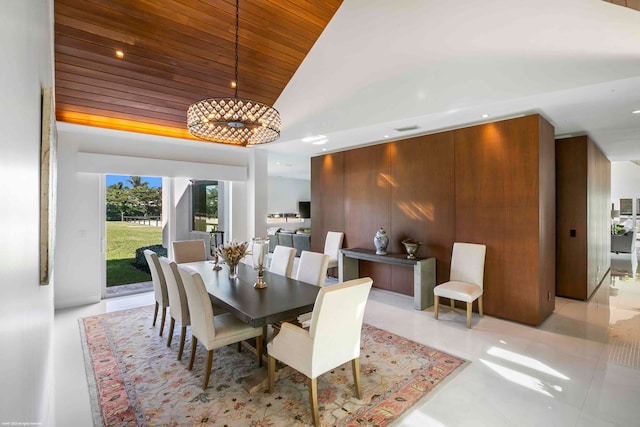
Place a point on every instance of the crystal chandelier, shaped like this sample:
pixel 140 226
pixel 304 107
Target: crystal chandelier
pixel 234 120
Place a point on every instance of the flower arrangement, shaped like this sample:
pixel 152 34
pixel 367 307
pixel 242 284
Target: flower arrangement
pixel 232 252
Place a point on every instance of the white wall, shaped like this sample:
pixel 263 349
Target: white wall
pixel 625 181
pixel 87 153
pixel 26 308
pixel 625 184
pixel 284 195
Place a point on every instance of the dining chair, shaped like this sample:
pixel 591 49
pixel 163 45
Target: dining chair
pixel 189 251
pixel 159 287
pixel 332 246
pixel 282 260
pixel 332 340
pixel 465 279
pixel 213 331
pixel 312 268
pixel 179 309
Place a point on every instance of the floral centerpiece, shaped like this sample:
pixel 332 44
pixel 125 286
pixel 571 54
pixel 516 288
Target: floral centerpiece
pixel 232 253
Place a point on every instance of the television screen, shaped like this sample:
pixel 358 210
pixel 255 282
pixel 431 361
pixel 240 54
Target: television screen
pixel 304 209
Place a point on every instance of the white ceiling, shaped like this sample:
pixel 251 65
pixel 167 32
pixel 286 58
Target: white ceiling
pixel 440 64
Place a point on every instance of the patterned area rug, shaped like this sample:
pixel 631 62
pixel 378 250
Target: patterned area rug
pixel 135 380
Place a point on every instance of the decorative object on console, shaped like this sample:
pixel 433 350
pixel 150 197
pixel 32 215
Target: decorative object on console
pixel 231 253
pixel 259 248
pixel 411 246
pixel 381 241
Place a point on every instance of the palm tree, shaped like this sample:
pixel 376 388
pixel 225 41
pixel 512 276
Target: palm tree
pixel 117 186
pixel 136 181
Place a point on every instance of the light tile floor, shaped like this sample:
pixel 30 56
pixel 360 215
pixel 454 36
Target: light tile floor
pixel 581 367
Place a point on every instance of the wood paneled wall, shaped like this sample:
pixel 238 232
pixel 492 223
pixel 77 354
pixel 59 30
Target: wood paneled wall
pixel 491 184
pixel 505 198
pixel 583 218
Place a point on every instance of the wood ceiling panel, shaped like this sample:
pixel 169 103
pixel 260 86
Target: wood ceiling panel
pixel 176 52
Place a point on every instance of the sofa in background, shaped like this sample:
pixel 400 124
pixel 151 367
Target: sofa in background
pixel 299 240
pixel 624 241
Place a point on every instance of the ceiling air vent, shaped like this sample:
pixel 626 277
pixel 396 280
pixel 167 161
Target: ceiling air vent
pixel 406 128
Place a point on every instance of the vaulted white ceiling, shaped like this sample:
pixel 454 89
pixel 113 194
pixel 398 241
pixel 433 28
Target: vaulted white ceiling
pixel 381 65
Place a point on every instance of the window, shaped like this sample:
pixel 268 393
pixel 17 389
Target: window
pixel 204 196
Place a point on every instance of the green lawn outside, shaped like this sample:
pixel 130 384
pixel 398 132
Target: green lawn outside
pixel 123 238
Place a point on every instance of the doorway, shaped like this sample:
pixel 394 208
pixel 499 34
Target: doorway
pixel 133 209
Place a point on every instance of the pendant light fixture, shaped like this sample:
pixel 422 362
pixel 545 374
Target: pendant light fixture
pixel 234 120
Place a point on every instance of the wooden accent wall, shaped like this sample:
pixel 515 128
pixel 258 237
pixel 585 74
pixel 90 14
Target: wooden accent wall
pixel 583 218
pixel 422 200
pixel 491 184
pixel 327 198
pixel 505 198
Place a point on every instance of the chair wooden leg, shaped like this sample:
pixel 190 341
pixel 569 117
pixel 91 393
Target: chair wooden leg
pixel 313 400
pixel 239 346
pixel 172 325
pixel 452 302
pixel 164 317
pixel 436 303
pixel 207 369
pixel 469 307
pixel 155 314
pixel 355 367
pixel 272 373
pixel 480 306
pixel 194 344
pixel 183 335
pixel 259 350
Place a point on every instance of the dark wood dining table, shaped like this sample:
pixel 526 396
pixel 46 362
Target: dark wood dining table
pixel 282 299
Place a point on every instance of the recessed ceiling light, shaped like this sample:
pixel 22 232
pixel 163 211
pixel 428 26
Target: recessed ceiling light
pixel 119 54
pixel 484 116
pixel 635 112
pixel 321 142
pixel 324 149
pixel 386 136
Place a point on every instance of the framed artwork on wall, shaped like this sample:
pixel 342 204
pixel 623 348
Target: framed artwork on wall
pixel 626 206
pixel 48 147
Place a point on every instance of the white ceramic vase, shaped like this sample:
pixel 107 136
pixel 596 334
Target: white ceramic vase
pixel 381 241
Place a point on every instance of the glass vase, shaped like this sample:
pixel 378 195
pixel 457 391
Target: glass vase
pixel 233 271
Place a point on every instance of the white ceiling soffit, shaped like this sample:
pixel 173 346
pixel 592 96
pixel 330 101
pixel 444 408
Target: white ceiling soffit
pixel 382 65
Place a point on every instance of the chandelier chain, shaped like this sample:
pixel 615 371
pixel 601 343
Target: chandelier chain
pixel 236 59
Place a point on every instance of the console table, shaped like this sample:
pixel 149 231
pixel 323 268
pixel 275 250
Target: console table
pixel 424 271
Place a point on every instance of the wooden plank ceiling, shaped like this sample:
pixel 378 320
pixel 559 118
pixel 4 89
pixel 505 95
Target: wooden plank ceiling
pixel 175 53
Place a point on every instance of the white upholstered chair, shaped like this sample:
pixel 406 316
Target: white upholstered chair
pixel 465 280
pixel 159 287
pixel 332 245
pixel 212 331
pixel 333 339
pixel 179 309
pixel 189 251
pixel 312 268
pixel 282 260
